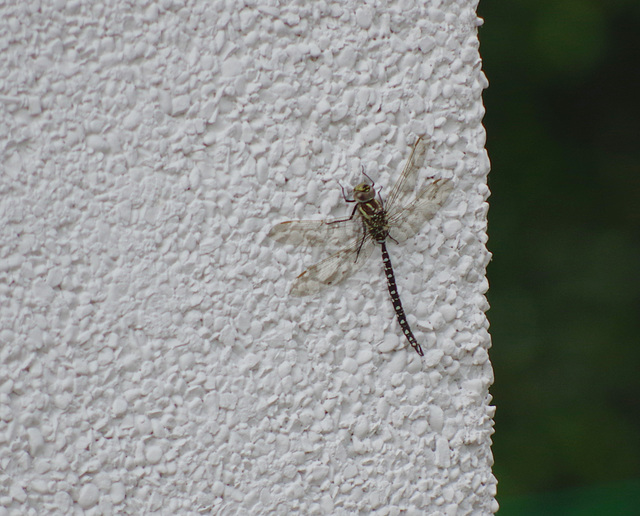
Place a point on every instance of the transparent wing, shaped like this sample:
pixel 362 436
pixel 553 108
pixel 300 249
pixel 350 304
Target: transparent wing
pixel 407 222
pixel 317 232
pixel 333 269
pixel 406 183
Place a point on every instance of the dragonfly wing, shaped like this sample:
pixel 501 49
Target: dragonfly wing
pixel 406 183
pixel 316 232
pixel 407 222
pixel 333 269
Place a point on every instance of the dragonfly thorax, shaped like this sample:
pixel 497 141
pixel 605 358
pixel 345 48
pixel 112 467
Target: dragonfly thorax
pixel 375 218
pixel 372 211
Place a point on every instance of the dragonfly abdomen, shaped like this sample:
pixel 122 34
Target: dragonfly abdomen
pixel 395 299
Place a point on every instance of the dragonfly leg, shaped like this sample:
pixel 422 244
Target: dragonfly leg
pixel 344 195
pixel 373 183
pixel 344 220
pixel 364 237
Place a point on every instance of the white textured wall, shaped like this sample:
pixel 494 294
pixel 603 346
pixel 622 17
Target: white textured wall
pixel 150 357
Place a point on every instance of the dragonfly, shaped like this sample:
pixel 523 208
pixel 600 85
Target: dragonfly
pixel 372 222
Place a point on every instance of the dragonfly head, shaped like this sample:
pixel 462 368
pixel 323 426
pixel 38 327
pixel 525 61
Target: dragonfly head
pixel 364 192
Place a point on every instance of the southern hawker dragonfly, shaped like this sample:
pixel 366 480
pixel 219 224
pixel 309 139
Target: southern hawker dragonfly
pixel 372 221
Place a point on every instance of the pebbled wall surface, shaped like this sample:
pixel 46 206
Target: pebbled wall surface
pixel 151 360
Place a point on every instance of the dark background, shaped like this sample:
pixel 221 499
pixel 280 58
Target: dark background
pixel 562 117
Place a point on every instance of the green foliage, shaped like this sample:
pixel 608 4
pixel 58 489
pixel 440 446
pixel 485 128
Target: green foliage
pixel 562 117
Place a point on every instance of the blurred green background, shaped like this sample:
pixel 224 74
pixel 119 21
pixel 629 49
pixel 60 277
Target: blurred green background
pixel 562 121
